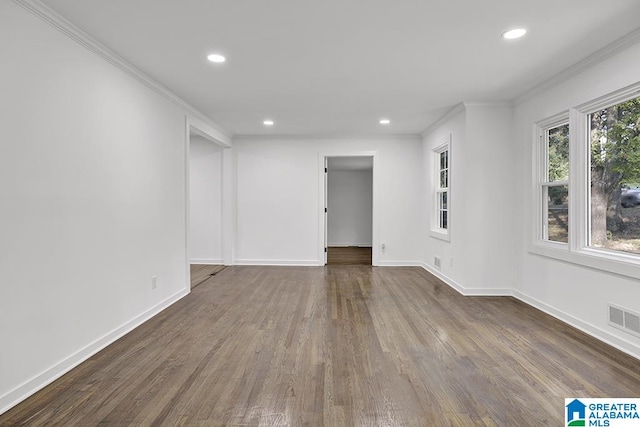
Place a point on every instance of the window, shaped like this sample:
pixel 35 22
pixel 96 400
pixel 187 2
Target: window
pixel 443 190
pixel 441 220
pixel 554 185
pixel 587 164
pixel 613 135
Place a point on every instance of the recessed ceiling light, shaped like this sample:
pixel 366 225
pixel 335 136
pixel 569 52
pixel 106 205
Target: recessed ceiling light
pixel 268 123
pixel 218 59
pixel 384 121
pixel 515 33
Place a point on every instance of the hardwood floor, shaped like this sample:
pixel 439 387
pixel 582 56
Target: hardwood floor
pixel 200 273
pixel 350 255
pixel 335 346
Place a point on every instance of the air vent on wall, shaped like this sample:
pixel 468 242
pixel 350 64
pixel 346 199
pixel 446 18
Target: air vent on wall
pixel 632 322
pixel 624 319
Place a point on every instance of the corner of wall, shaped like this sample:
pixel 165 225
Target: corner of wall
pixel 38 382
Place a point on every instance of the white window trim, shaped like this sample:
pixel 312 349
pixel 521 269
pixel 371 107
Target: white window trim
pixel 540 159
pixel 577 251
pixel 435 230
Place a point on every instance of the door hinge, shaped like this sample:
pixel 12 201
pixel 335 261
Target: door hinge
pixel 325 250
pixel 325 210
pixel 326 170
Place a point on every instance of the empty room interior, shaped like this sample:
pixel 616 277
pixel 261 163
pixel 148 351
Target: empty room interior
pixel 335 213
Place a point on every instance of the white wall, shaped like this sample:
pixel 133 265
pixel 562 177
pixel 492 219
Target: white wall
pixel 205 201
pixel 572 292
pixel 479 258
pixel 278 193
pixel 350 204
pixel 488 198
pixel 92 203
pixel 451 252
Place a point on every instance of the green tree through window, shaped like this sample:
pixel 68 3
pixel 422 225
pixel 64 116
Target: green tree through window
pixel 555 184
pixel 614 134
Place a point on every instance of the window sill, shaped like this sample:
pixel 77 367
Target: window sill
pixel 612 262
pixel 440 235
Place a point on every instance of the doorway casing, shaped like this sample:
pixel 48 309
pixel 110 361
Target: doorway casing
pixel 196 126
pixel 322 203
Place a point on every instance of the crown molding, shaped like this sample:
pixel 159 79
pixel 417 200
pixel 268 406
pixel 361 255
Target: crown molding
pixel 457 109
pixel 308 137
pixel 57 21
pixel 461 107
pixel 488 104
pixel 613 49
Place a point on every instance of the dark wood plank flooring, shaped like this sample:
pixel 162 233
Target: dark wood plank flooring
pixel 350 255
pixel 335 346
pixel 200 273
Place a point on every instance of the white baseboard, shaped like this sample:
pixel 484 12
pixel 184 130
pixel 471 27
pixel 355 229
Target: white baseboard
pixel 29 387
pixel 290 263
pixel 623 345
pixel 468 292
pixel 206 261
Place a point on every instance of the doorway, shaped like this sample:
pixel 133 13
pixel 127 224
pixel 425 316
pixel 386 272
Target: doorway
pixel 205 201
pixel 207 218
pixel 349 210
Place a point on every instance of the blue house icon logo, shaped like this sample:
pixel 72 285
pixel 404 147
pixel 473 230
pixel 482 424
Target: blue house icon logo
pixel 576 413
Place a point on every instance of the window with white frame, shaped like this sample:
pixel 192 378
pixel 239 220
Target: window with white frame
pixel 613 148
pixel 588 184
pixel 442 191
pixel 553 190
pixel 441 180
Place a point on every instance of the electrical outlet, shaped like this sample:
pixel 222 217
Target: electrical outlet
pixel 154 282
pixel 383 247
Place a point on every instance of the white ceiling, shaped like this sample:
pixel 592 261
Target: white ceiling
pixel 335 67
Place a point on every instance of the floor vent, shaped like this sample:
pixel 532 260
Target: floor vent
pixel 624 319
pixel 436 262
